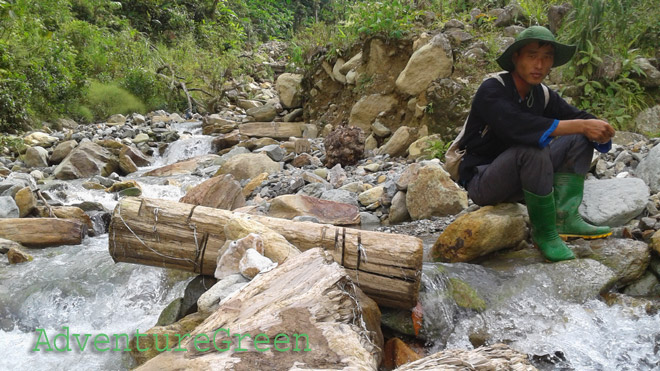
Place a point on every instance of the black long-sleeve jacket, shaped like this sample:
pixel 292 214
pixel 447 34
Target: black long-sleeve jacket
pixel 499 119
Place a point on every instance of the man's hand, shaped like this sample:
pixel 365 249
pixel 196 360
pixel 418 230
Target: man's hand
pixel 594 129
pixel 598 130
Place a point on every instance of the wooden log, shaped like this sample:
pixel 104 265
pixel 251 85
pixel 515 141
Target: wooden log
pixel 275 130
pixel 175 235
pixel 43 232
pixel 308 300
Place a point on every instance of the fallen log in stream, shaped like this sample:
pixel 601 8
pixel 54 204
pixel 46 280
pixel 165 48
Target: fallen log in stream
pixel 169 234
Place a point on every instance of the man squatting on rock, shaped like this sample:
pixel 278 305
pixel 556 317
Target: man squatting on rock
pixel 517 147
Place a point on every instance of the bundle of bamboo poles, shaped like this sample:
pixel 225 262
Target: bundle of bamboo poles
pixel 170 234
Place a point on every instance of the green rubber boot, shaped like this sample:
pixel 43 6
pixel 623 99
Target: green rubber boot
pixel 568 189
pixel 542 215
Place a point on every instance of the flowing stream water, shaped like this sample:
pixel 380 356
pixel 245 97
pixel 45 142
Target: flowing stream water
pixel 535 318
pixel 79 287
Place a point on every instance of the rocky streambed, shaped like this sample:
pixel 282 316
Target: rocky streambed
pixel 510 297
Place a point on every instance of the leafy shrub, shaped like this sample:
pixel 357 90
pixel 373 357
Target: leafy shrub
pixel 104 100
pixel 392 18
pixel 437 149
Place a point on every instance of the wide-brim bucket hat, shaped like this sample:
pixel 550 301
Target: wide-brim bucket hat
pixel 563 52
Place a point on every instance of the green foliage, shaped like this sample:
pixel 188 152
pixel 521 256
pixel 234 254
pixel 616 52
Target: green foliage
pixel 12 143
pixel 437 149
pixel 392 18
pixel 620 29
pixel 104 100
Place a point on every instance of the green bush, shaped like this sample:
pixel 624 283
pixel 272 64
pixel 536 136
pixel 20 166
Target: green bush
pixel 104 100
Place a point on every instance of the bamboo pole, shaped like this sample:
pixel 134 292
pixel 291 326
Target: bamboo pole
pixel 170 234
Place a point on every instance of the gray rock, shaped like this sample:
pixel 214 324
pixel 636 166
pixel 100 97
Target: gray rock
pixel 433 193
pixel 249 165
pixel 649 169
pixel 648 121
pixel 380 130
pixel 513 31
pixel 208 302
pixel 398 210
pixel 87 160
pixel 398 144
pixel 648 285
pixel 652 79
pixel 264 113
pixel 289 88
pixel 556 14
pixel 274 151
pixel 512 13
pixel 627 258
pixel 314 189
pixel 171 313
pixel 195 288
pixel 431 61
pixel 369 219
pixel 626 138
pixel 8 207
pixel 613 202
pixel 340 195
pixel 36 157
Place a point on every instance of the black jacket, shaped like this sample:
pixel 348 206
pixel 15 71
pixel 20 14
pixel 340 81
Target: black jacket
pixel 499 119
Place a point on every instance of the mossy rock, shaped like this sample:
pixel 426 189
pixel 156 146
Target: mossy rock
pixel 130 192
pixel 398 320
pixel 170 314
pixel 465 296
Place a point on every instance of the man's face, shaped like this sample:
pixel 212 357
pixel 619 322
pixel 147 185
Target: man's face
pixel 533 62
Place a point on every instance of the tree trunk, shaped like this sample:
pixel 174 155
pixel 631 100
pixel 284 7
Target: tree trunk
pixel 42 232
pixel 304 314
pixel 175 235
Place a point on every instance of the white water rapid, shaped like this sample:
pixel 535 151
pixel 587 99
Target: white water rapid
pixel 81 288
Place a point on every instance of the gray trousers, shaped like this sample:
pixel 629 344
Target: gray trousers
pixel 529 168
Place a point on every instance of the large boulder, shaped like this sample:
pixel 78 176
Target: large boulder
pixel 613 202
pixel 62 150
pixel 221 192
pixel 36 157
pixel 478 233
pixel 399 209
pixel 216 124
pixel 40 139
pixel 300 315
pixel 289 88
pixel 135 155
pixel 431 61
pixel 25 201
pixel 267 112
pixel 512 13
pixel 648 121
pixel 8 207
pixel 433 193
pixel 365 111
pixel 652 75
pixel 248 166
pixel 627 258
pixel 327 212
pixel 87 160
pixel 649 169
pixel 398 144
